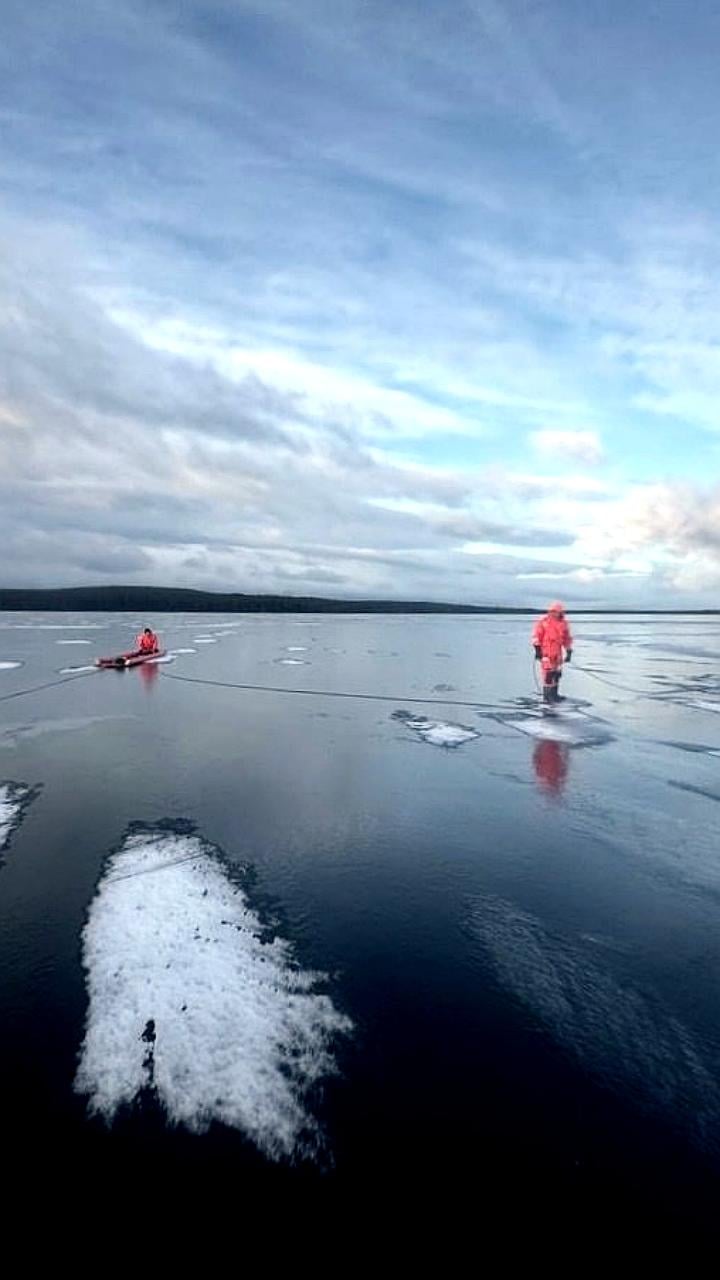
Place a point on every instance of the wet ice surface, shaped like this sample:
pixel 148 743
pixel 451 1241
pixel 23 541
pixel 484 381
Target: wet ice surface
pixel 500 892
pixel 190 999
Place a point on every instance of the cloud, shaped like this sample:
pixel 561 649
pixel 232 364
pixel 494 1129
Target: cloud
pixel 580 446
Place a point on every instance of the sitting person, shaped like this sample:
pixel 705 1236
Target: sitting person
pixel 147 642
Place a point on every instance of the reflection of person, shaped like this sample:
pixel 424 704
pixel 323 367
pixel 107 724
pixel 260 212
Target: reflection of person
pixel 553 645
pixel 147 642
pixel 551 761
pixel 149 672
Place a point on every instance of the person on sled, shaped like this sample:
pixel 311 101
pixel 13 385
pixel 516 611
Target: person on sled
pixel 553 645
pixel 146 642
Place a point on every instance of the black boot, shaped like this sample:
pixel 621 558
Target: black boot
pixel 547 693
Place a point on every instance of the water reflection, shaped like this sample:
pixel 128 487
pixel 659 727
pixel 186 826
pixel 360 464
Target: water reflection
pixel 149 673
pixel 551 762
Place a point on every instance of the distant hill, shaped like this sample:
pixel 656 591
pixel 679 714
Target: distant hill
pixel 149 600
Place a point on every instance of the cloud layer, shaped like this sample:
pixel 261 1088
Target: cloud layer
pixel 370 301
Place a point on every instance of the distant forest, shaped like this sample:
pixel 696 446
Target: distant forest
pixel 149 600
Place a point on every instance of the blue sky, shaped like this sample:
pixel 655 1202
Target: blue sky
pixel 358 298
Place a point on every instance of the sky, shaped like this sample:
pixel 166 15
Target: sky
pixel 410 299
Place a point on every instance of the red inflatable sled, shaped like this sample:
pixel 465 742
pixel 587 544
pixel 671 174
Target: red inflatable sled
pixel 129 659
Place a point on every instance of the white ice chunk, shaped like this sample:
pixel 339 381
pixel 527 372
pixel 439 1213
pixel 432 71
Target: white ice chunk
pixel 188 999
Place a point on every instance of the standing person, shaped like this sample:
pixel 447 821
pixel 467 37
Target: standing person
pixel 553 645
pixel 147 642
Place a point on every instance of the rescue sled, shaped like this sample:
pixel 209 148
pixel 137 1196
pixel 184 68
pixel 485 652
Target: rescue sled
pixel 124 660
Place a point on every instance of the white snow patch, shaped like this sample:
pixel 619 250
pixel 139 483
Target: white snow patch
pixel 292 662
pixel 702 705
pixel 73 641
pixel 175 652
pixel 69 671
pixel 187 999
pixel 9 666
pixel 297 648
pixel 12 798
pixel 204 640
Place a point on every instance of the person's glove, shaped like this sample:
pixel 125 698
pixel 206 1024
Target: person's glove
pixel 538 652
pixel 568 655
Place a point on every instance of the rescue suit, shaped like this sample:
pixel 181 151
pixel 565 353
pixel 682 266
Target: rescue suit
pixel 553 643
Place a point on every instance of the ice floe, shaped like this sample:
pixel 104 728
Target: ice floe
pixel 14 799
pixel 439 733
pixel 191 1001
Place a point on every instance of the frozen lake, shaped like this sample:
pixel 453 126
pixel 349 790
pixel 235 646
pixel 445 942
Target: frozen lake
pixel 330 941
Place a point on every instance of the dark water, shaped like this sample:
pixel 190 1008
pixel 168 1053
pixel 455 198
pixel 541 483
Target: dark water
pixel 514 936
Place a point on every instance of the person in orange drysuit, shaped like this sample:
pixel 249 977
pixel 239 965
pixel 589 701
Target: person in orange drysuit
pixel 553 645
pixel 147 642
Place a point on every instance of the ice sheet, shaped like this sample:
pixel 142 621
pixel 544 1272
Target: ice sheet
pixel 439 733
pixel 624 1036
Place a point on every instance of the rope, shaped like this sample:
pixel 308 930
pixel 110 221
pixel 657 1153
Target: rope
pixel 613 684
pixel 51 684
pixel 326 693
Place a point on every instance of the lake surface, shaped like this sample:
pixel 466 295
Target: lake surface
pixel 303 941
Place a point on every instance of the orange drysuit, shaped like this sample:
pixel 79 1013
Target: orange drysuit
pixel 553 637
pixel 147 643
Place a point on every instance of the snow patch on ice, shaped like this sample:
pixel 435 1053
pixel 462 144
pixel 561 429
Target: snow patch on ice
pixel 204 640
pixel 73 641
pixel 14 799
pixel 9 666
pixel 69 671
pixel 176 652
pixel 439 733
pixel 189 1000
pixel 292 662
pixel 297 648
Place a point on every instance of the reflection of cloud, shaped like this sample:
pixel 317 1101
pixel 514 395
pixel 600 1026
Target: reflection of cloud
pixel 623 1036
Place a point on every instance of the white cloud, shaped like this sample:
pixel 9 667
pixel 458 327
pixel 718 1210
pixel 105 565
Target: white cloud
pixel 579 446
